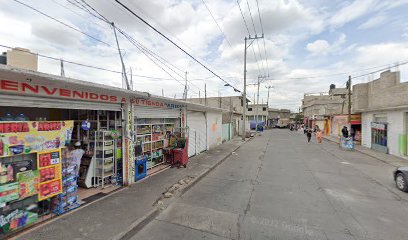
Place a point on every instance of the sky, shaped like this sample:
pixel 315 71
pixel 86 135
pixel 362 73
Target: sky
pixel 307 44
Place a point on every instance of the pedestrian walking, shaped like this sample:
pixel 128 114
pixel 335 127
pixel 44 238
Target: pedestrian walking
pixel 309 135
pixel 319 136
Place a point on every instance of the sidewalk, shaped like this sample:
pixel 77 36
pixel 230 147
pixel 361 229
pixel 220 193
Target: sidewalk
pixel 112 216
pixel 386 158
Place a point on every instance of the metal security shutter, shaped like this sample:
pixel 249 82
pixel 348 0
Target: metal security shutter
pixel 151 112
pixel 197 141
pixel 41 102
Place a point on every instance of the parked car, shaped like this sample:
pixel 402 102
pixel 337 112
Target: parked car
pixel 401 178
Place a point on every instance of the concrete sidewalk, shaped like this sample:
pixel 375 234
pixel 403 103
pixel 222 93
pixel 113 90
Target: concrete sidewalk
pixel 386 158
pixel 115 215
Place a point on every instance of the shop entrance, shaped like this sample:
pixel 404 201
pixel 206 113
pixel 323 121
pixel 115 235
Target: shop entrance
pixel 87 146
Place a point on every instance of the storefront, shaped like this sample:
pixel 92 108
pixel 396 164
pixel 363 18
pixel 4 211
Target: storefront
pixel 354 127
pixel 154 123
pixel 72 113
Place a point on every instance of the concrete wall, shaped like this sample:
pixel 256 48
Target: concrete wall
pixel 385 92
pixel 366 119
pixel 214 129
pixel 22 58
pixel 396 123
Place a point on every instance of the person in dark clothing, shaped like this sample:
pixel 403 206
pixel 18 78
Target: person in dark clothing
pixel 345 132
pixel 309 135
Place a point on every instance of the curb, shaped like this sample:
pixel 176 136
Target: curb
pixel 365 153
pixel 147 218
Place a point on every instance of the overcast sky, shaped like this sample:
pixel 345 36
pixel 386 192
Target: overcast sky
pixel 309 43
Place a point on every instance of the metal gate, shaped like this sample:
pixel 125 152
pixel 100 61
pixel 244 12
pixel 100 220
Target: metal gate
pixel 197 141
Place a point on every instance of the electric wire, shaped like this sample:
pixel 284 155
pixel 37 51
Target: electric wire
pixel 249 33
pixel 208 9
pixel 260 20
pixel 85 65
pixel 256 34
pixel 173 43
pixel 67 25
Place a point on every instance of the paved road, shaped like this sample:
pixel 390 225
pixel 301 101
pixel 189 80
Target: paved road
pixel 278 186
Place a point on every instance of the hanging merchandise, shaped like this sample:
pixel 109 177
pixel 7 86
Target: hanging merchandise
pixel 68 199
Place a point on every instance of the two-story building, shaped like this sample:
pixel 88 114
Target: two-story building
pixel 383 104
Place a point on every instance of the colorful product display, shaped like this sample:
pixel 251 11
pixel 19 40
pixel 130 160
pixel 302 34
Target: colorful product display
pixel 68 199
pixel 49 168
pixel 36 176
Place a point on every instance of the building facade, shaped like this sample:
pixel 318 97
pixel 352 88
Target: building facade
pixel 383 105
pixel 319 109
pixel 20 58
pixel 274 115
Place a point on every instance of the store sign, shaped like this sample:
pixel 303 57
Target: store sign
pixel 44 90
pixel 33 136
pixel 86 125
pixel 50 172
pixel 152 103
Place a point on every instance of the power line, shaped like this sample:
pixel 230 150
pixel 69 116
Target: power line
pixel 172 42
pixel 243 18
pixel 73 28
pixel 216 23
pixel 345 73
pixel 260 20
pixel 249 33
pixel 84 65
pixel 143 49
pixel 259 49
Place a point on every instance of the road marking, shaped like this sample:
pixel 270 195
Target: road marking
pixel 346 163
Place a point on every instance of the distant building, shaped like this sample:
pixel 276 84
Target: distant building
pixel 258 112
pixel 232 107
pixel 274 115
pixel 320 108
pixel 20 58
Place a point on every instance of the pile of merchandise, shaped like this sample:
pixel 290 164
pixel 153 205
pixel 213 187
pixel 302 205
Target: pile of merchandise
pixel 68 199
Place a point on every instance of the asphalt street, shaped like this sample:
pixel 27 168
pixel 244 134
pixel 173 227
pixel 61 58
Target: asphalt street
pixel 278 186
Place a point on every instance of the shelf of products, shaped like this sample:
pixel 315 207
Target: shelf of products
pixel 105 157
pixel 151 134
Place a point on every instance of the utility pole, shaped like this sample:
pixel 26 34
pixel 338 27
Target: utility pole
pixel 205 93
pixel 199 95
pixel 162 92
pixel 124 75
pixel 62 68
pixel 131 78
pixel 245 71
pixel 185 90
pixel 349 100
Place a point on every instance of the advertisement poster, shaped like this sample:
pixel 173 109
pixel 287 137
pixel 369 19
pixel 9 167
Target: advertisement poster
pixel 33 136
pixel 8 192
pixel 28 183
pixel 50 171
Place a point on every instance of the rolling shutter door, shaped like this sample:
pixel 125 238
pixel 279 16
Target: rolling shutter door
pixel 197 141
pixel 40 102
pixel 151 112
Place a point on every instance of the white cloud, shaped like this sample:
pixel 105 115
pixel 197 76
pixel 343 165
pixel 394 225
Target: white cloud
pixel 351 12
pixel 323 47
pixel 373 22
pixel 318 47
